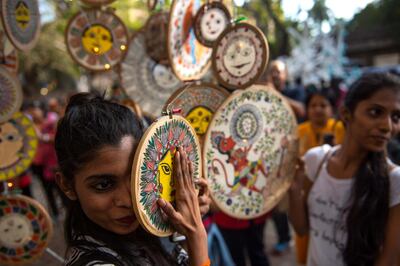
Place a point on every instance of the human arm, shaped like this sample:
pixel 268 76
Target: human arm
pixel 391 245
pixel 186 218
pixel 298 194
pixel 298 107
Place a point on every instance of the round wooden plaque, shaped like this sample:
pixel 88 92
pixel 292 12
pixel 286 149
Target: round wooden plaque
pixel 17 147
pixel 26 230
pixel 211 20
pixel 153 166
pixel 189 59
pixel 97 40
pixel 149 84
pixel 250 152
pixel 240 56
pixel 198 103
pixel 156 36
pixel 10 95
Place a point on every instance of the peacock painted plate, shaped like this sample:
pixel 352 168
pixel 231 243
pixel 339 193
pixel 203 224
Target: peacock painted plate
pixel 250 152
pixel 153 167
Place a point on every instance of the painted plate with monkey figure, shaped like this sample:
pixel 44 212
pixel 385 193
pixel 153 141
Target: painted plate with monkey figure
pixel 153 167
pixel 250 152
pixel 96 39
pixel 240 56
pixel 198 103
pixel 17 146
pixel 26 230
pixel 21 21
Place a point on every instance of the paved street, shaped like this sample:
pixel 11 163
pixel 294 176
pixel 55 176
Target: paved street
pixel 57 243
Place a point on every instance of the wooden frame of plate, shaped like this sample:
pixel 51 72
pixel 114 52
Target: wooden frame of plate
pixel 21 151
pixel 10 90
pixel 155 151
pixel 11 29
pixel 156 36
pixel 151 4
pixel 251 136
pixel 113 54
pixel 41 225
pixel 8 59
pixel 197 21
pixel 204 95
pixel 97 2
pixel 180 21
pixel 256 43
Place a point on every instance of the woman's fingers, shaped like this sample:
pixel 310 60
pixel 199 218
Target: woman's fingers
pixel 178 178
pixel 169 210
pixel 185 169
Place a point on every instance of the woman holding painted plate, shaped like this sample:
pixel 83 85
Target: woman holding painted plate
pixel 96 143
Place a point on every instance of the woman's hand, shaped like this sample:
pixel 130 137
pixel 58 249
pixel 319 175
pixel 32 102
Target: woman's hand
pixel 204 196
pixel 186 219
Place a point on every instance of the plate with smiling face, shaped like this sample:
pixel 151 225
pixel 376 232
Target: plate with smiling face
pixel 144 80
pixel 189 59
pixel 240 56
pixel 211 20
pixel 198 103
pixel 153 167
pixel 25 230
pixel 17 146
pixel 21 21
pixel 97 40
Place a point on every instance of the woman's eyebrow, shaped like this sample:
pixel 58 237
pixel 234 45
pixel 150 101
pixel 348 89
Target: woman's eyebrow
pixel 99 176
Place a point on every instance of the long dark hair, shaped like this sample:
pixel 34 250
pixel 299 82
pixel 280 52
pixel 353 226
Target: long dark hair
pixel 90 123
pixel 368 213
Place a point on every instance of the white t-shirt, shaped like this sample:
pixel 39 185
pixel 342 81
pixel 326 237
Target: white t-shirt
pixel 326 201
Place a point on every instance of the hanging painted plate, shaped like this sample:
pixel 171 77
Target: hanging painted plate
pixel 250 152
pixel 152 169
pixel 156 36
pixel 211 20
pixel 8 54
pixel 17 147
pixel 21 21
pixel 149 84
pixel 189 59
pixel 151 4
pixel 26 230
pixel 97 40
pixel 240 56
pixel 198 103
pixel 97 2
pixel 10 95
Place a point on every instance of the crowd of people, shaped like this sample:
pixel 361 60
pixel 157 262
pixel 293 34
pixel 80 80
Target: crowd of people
pixel 344 203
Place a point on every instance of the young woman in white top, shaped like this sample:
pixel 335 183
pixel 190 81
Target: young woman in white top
pixel 348 197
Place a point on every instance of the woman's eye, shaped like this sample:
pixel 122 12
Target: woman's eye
pixel 396 118
pixel 103 185
pixel 375 112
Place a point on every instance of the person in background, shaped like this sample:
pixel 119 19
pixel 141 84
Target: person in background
pixel 320 128
pixel 347 197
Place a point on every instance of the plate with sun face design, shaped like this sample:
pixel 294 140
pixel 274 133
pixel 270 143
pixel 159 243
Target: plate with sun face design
pixel 10 95
pixel 153 167
pixel 21 22
pixel 97 40
pixel 189 59
pixel 250 152
pixel 211 20
pixel 17 146
pixel 198 103
pixel 8 54
pixel 156 31
pixel 26 230
pixel 240 56
pixel 146 82
pixel 97 2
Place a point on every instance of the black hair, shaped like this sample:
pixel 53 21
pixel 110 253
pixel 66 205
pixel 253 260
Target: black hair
pixel 90 123
pixel 368 213
pixel 325 93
